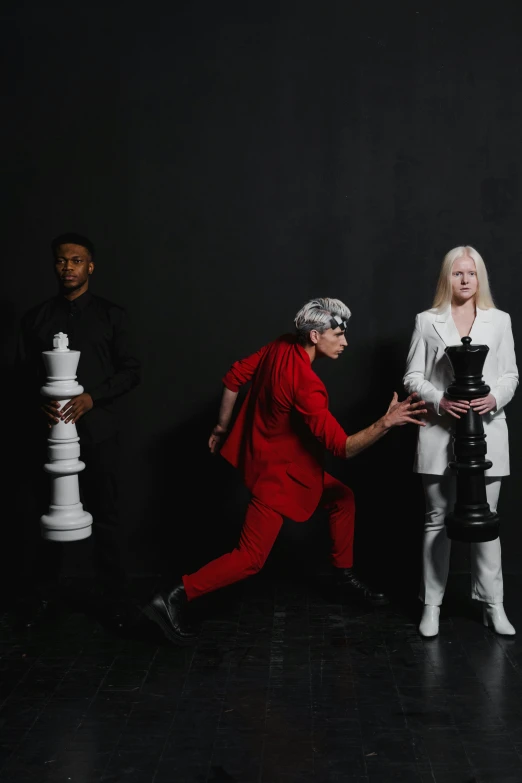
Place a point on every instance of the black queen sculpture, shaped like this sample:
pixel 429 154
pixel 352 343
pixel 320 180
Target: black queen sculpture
pixel 472 519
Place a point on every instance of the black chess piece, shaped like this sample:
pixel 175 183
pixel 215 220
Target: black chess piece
pixel 472 518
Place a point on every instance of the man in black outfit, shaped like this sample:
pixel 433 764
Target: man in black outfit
pixel 108 369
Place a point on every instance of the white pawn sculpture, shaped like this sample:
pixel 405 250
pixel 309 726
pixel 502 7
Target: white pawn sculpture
pixel 66 519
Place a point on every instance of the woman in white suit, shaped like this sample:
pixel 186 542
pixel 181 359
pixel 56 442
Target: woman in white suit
pixel 462 306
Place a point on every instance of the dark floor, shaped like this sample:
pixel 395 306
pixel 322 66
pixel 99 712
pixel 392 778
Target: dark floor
pixel 284 686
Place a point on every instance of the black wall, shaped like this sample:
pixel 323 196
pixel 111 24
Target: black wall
pixel 231 160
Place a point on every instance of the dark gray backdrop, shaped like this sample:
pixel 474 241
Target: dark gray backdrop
pixel 231 160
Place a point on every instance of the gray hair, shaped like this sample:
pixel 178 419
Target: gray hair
pixel 317 314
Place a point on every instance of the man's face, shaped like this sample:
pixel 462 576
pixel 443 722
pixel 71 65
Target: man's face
pixel 73 265
pixel 330 343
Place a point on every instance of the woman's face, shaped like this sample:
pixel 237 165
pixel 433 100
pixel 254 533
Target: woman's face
pixel 464 283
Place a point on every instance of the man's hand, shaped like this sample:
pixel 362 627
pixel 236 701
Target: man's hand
pixel 76 408
pixel 216 439
pixel 400 413
pixel 484 404
pixel 51 410
pixel 454 407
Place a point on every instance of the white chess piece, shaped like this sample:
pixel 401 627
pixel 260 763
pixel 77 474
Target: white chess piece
pixel 66 519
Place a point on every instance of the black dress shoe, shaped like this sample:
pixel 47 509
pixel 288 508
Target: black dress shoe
pixel 167 610
pixel 355 588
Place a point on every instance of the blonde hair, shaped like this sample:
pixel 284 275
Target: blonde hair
pixel 443 293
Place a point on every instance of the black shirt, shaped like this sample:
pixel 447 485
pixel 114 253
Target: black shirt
pixel 108 366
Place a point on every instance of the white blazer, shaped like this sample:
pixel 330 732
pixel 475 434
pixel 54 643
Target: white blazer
pixel 429 373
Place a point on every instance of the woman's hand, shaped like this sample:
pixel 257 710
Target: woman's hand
pixel 454 407
pixel 216 439
pixel 484 404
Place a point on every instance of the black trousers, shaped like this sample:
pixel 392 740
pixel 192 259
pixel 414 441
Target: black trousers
pixel 102 555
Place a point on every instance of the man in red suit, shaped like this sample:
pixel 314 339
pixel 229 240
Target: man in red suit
pixel 277 442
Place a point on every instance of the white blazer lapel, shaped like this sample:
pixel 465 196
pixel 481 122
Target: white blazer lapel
pixel 481 330
pixel 444 327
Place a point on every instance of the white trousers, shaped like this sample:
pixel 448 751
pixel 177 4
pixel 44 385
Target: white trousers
pixel 486 566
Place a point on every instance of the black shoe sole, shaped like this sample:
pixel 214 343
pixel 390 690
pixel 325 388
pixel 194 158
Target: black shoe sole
pixel 153 614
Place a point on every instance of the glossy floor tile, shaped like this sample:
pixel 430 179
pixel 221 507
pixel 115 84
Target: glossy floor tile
pixel 286 684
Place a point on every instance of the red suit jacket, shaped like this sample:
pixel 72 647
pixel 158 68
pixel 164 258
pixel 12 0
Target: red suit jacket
pixel 284 424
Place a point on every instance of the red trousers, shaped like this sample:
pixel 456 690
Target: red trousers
pixel 260 529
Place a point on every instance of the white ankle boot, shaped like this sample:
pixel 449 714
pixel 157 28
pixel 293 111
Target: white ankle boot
pixel 494 616
pixel 429 624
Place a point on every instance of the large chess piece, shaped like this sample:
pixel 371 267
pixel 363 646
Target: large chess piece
pixel 471 519
pixel 66 519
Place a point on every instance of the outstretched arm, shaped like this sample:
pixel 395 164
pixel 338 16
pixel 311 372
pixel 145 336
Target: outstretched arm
pixel 312 403
pixel 228 400
pixel 398 413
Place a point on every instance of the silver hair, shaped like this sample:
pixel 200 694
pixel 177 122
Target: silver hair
pixel 317 314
